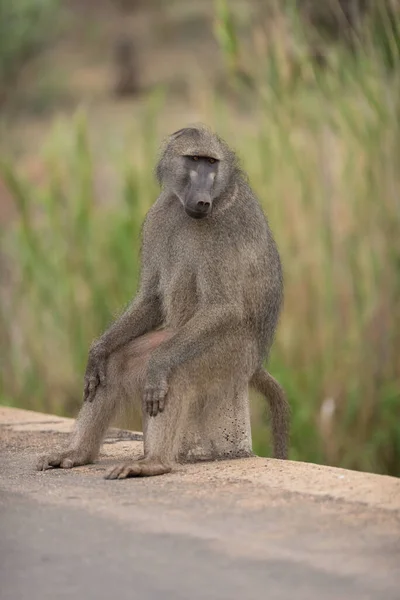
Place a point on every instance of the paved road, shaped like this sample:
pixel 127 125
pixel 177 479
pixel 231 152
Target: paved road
pixel 48 554
pixel 208 535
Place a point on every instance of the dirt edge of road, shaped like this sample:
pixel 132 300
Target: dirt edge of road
pixel 37 432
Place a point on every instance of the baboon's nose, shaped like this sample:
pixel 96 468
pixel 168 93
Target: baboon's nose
pixel 203 204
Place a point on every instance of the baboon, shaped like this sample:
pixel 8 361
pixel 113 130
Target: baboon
pixel 202 323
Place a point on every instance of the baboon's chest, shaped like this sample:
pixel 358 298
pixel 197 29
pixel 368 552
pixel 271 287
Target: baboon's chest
pixel 179 284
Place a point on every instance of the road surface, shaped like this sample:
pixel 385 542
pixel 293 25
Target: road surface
pixel 248 529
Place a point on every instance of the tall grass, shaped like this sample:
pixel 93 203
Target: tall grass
pixel 322 151
pixel 25 27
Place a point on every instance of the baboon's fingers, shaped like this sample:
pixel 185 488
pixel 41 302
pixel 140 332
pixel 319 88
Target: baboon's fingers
pixel 139 468
pixel 42 464
pixel 132 470
pixel 123 471
pixel 154 398
pixel 113 473
pixel 63 460
pixel 148 401
pixel 102 372
pixel 161 404
pixel 92 387
pixel 47 462
pixel 152 406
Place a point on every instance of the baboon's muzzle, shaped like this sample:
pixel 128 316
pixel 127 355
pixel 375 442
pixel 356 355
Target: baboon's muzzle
pixel 198 206
pixel 198 200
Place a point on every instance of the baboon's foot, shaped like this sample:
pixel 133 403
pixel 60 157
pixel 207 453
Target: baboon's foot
pixel 146 467
pixel 63 460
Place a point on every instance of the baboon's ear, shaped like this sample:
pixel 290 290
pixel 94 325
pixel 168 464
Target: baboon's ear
pixel 180 132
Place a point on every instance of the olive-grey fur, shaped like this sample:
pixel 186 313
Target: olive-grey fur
pixel 204 319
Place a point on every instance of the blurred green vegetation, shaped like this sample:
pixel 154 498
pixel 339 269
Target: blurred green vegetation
pixel 25 27
pixel 324 160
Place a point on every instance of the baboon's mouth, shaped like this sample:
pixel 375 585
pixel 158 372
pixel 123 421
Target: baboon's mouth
pixel 196 214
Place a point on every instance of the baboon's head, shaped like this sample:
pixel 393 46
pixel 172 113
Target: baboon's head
pixel 196 166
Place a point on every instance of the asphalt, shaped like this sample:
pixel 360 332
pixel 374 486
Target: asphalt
pixel 229 530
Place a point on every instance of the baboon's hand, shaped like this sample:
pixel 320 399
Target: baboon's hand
pixel 95 371
pixel 155 392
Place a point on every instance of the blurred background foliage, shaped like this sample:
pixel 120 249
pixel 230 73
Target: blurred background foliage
pixel 25 27
pixel 308 92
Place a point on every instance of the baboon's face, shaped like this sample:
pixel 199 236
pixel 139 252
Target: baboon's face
pixel 196 167
pixel 197 194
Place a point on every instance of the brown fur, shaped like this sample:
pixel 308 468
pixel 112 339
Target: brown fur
pixel 200 327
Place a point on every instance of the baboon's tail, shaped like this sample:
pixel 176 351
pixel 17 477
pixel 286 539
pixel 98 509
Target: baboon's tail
pixel 265 384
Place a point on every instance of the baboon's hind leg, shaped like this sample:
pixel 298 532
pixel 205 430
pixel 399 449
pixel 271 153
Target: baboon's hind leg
pixel 126 366
pixel 90 428
pixel 157 458
pixel 162 437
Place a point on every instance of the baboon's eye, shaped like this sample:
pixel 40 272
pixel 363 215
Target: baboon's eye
pixel 211 160
pixel 195 158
